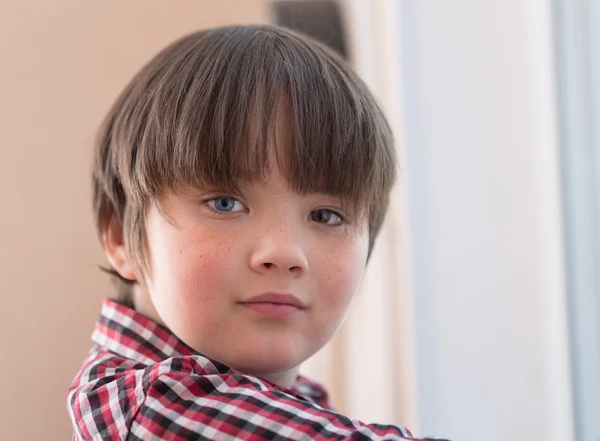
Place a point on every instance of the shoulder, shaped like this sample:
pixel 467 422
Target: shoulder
pixel 234 406
pixel 109 390
pixel 189 397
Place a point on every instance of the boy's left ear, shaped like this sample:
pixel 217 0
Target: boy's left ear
pixel 114 248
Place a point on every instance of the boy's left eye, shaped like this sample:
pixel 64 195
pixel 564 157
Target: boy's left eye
pixel 327 217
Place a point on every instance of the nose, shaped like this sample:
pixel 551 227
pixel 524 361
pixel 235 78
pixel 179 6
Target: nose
pixel 279 252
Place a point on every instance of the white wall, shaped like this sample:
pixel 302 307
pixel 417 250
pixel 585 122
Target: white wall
pixel 487 258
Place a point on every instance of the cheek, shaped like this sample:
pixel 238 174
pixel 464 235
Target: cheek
pixel 341 274
pixel 191 265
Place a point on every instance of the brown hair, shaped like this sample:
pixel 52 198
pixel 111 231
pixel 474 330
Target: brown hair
pixel 202 112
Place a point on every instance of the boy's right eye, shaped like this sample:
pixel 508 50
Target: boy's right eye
pixel 224 205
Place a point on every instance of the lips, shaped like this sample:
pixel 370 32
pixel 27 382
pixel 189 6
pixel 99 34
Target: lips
pixel 274 305
pixel 277 299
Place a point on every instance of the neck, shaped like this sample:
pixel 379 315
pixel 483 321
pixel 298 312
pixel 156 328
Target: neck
pixel 284 379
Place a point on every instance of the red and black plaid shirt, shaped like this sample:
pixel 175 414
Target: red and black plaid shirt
pixel 140 382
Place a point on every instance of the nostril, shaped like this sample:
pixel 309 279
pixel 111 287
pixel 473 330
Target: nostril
pixel 268 265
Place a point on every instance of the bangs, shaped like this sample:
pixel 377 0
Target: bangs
pixel 204 111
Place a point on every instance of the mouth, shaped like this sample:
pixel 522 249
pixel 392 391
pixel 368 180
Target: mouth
pixel 274 305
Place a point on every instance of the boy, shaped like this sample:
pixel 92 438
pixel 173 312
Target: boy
pixel 240 181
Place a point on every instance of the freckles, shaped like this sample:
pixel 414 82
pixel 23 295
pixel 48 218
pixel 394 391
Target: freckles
pixel 344 275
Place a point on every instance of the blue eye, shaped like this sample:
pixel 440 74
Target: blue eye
pixel 327 217
pixel 225 205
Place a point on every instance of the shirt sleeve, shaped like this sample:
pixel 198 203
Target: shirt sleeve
pixel 185 403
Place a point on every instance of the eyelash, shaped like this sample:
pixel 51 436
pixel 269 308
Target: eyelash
pixel 343 220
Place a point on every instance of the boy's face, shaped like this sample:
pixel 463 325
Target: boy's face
pixel 209 263
pixel 215 256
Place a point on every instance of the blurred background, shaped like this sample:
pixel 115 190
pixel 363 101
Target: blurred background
pixel 479 316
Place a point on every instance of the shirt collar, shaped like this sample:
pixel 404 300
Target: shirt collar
pixel 130 334
pixel 126 332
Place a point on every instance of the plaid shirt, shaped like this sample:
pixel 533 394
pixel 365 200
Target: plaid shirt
pixel 140 382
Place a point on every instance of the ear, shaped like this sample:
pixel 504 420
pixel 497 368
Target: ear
pixel 114 248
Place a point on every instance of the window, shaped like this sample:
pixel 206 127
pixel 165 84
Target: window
pixel 578 59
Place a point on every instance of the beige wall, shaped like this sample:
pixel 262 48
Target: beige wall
pixel 62 63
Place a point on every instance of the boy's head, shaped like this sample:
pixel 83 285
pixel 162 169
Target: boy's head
pixel 240 161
